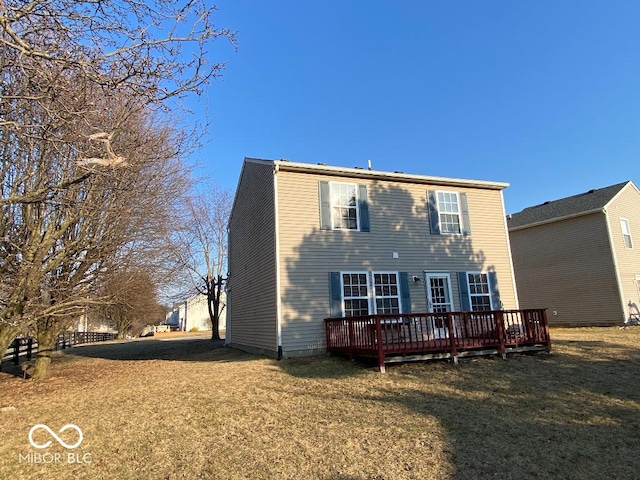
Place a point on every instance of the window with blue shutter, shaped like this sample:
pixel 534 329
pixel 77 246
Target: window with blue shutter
pixel 448 213
pixel 343 206
pixel 479 291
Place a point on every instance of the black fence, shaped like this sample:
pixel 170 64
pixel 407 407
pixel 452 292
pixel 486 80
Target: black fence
pixel 26 347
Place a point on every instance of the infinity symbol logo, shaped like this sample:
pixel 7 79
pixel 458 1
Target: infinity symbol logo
pixel 53 434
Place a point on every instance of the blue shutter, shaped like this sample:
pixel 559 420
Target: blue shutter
pixel 463 287
pixel 434 219
pixel 325 205
pixel 363 207
pixel 335 294
pixel 496 304
pixel 405 297
pixel 464 210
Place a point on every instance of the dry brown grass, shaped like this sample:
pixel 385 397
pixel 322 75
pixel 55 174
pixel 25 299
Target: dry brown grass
pixel 176 409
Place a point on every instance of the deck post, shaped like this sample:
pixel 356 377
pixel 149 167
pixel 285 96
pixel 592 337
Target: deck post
pixel 546 329
pixel 498 323
pixel 379 344
pixel 452 338
pixel 351 335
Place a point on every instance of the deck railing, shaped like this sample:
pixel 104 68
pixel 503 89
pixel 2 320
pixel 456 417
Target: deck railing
pixel 438 335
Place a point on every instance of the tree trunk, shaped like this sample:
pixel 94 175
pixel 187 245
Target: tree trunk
pixel 46 341
pixel 7 334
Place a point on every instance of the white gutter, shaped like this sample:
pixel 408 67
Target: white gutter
pixel 321 169
pixel 276 169
pixel 616 269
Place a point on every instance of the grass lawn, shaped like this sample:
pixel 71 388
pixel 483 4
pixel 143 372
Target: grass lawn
pixel 179 409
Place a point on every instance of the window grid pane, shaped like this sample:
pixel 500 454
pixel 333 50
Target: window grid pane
pixel 386 293
pixel 355 294
pixel 626 233
pixel 449 210
pixel 479 291
pixel 344 206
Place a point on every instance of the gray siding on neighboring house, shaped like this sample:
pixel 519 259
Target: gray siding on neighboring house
pixel 252 310
pixel 398 222
pixel 566 266
pixel 626 205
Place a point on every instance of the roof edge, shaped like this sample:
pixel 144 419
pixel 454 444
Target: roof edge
pixel 557 219
pixel 290 166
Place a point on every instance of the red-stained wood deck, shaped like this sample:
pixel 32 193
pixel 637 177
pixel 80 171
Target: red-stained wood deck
pixel 423 336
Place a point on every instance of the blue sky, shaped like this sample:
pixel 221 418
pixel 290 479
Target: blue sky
pixel 543 95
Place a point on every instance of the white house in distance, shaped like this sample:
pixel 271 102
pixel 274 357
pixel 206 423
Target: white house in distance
pixel 193 313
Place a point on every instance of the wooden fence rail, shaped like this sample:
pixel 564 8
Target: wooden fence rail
pixel 27 347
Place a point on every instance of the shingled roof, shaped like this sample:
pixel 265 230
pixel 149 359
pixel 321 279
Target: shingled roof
pixel 565 207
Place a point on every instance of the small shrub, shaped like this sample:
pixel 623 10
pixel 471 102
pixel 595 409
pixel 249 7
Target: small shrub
pixel 194 329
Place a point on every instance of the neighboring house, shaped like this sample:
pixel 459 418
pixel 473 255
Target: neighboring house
pixel 578 256
pixel 194 313
pixel 307 242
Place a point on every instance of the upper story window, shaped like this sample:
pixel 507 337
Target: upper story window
pixel 626 233
pixel 448 213
pixel 343 206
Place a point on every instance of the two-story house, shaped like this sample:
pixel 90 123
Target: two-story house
pixel 578 256
pixel 308 242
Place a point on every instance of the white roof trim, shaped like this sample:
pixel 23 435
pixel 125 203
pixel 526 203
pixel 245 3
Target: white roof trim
pixel 289 166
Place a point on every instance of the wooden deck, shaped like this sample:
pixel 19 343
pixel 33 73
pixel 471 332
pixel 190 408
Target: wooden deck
pixel 424 336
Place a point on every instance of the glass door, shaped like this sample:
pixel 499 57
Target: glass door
pixel 438 300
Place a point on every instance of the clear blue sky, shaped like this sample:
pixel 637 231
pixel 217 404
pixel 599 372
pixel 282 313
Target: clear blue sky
pixel 544 95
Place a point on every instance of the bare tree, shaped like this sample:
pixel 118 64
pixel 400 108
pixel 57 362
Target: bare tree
pixel 132 302
pixel 91 157
pixel 200 247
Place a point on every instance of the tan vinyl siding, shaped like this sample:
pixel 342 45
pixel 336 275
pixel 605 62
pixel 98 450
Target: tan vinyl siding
pixel 252 262
pixel 398 223
pixel 626 205
pixel 567 267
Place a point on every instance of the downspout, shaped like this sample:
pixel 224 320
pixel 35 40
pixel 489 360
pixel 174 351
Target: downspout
pixel 227 322
pixel 276 169
pixel 616 269
pixel 513 271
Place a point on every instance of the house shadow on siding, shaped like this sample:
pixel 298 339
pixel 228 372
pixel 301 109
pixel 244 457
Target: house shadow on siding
pixel 399 227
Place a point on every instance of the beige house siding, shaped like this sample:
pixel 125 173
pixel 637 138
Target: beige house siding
pixel 252 308
pixel 566 267
pixel 398 223
pixel 626 205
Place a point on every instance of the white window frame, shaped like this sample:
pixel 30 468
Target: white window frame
pixel 489 290
pixel 441 212
pixel 335 205
pixel 360 297
pixel 625 225
pixel 374 297
pixel 372 307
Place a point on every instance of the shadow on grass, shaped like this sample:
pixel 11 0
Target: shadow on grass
pixel 181 349
pixel 574 414
pixel 325 366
